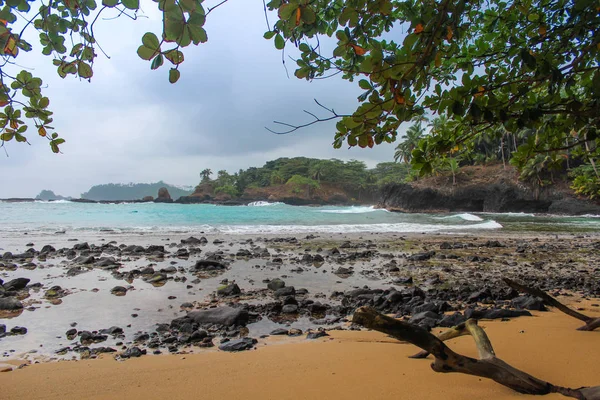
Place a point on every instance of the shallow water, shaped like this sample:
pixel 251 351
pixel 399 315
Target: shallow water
pixel 99 309
pixel 260 218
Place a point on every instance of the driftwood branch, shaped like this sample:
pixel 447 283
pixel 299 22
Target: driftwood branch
pixel 446 360
pixel 590 323
pixel 452 333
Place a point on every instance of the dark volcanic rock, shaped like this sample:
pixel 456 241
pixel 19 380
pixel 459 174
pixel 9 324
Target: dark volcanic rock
pixel 421 256
pixel 343 271
pixel 316 335
pixel 238 344
pixel 193 240
pixel 48 249
pixel 133 352
pixel 10 304
pixel 285 291
pixel 158 277
pixel 529 303
pixel 276 284
pixel 229 290
pixel 495 313
pixel 226 316
pixel 81 246
pixel 448 321
pixel 18 330
pixel 208 265
pixel 119 291
pixel 289 309
pixel 16 284
pixel 279 331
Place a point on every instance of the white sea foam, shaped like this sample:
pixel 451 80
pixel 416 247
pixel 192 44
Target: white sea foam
pixel 53 201
pixel 351 228
pixel 464 216
pixel 264 204
pixel 354 210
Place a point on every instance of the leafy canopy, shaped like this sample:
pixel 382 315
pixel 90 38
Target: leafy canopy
pixel 531 64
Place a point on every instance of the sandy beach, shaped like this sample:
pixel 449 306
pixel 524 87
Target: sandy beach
pixel 347 365
pixel 425 279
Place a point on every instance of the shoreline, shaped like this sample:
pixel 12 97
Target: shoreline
pixel 347 365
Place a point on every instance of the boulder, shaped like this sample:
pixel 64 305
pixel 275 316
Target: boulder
pixel 163 196
pixel 289 309
pixel 208 265
pixel 276 284
pixel 226 316
pixel 193 240
pixel 229 290
pixel 119 291
pixel 16 284
pixel 285 291
pixel 133 352
pixel 316 335
pixel 147 198
pixel 10 304
pixel 529 303
pixel 238 344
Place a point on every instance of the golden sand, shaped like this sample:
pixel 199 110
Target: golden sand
pixel 347 365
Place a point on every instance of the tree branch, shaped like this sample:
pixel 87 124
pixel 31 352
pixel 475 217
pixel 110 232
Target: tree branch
pixel 590 323
pixel 446 360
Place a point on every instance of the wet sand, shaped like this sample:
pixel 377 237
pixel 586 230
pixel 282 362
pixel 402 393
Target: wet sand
pixel 347 365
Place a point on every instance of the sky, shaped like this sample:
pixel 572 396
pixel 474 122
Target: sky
pixel 131 125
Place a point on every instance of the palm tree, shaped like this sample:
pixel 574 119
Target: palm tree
pixel 404 150
pixel 205 175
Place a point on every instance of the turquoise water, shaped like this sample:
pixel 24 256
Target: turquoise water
pixel 266 218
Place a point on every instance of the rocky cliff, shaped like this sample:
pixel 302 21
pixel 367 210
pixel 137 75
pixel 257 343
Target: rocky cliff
pixel 325 194
pixel 483 189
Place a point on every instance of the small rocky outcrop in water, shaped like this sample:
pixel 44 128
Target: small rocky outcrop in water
pixel 148 198
pixel 163 196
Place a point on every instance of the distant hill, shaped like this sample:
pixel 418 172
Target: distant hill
pixel 48 195
pixel 131 191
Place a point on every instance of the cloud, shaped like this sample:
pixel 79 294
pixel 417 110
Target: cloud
pixel 130 125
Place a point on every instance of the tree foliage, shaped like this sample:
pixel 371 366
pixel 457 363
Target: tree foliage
pixel 307 174
pixel 520 65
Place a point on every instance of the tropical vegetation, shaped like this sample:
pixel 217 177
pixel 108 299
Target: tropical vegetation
pixel 303 175
pixel 527 68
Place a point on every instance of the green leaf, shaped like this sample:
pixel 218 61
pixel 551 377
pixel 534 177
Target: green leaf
pixel 269 35
pixel 188 5
pixel 174 24
pixel 146 53
pixel 175 56
pixel 7 136
pixel 197 34
pixel 279 42
pixel 84 70
pixel 44 102
pixel 364 84
pixel 110 3
pixel 157 62
pixel 286 10
pixel 131 4
pixel 174 75
pixel 304 48
pixel 308 15
pixel 150 40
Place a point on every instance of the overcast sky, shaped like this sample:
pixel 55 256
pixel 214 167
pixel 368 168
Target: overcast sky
pixel 130 125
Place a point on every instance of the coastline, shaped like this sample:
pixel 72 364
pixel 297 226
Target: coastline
pixel 459 270
pixel 348 365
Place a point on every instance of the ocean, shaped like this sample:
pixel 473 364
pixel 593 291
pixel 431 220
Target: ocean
pixel 263 218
